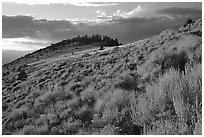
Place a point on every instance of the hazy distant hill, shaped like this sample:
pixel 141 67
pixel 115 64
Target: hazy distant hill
pixel 11 55
pixel 152 86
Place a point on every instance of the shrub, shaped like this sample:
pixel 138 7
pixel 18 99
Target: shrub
pixel 86 72
pixel 117 99
pixel 77 87
pixel 193 90
pixel 117 112
pixel 5 73
pixel 198 127
pixel 195 55
pixel 104 53
pixel 179 93
pixel 17 114
pixel 109 130
pixel 126 82
pixel 41 120
pixel 88 92
pixel 85 114
pixel 111 104
pixel 71 126
pixel 86 55
pixel 89 96
pixel 164 127
pixel 33 130
pixel 63 83
pixel 61 105
pixel 22 75
pixel 99 105
pixel 66 113
pixel 54 131
pixel 101 48
pixel 173 60
pixel 141 113
pixel 53 119
pixel 50 97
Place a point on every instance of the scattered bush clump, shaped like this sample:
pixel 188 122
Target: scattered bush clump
pixel 176 94
pixel 175 60
pixel 127 82
pixel 22 75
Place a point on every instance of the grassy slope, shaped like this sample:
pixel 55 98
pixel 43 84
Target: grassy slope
pixel 48 52
pixel 148 87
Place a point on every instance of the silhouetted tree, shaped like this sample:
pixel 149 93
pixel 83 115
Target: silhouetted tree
pixel 101 48
pixel 95 39
pixel 188 21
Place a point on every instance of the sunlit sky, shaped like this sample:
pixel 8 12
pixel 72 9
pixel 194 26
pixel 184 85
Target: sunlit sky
pixel 30 25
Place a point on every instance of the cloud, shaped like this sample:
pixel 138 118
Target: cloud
pixel 23 26
pixel 181 12
pixel 101 13
pixel 132 29
pixel 132 13
pixel 122 14
pixel 125 26
pixel 65 2
pixel 103 17
pixel 92 4
pixel 25 40
pixel 22 43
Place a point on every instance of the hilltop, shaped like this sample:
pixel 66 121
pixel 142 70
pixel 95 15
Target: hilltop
pixel 152 86
pixel 72 45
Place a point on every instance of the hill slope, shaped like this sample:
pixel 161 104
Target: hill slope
pixel 152 86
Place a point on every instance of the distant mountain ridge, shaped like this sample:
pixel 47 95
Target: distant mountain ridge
pixel 11 55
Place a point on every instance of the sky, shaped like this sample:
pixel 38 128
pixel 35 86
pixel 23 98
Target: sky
pixel 31 25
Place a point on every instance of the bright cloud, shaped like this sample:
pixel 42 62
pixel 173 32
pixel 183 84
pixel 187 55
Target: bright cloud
pixel 65 2
pixel 101 13
pixel 133 13
pixel 87 4
pixel 22 44
pixel 102 16
pixel 79 20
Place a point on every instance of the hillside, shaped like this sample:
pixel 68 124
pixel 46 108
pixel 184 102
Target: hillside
pixel 152 86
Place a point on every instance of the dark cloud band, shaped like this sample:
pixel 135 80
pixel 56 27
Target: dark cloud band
pixel 125 29
pixel 182 12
